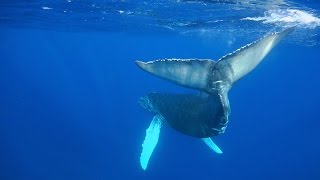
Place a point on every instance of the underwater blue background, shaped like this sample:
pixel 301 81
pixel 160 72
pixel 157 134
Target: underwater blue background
pixel 69 108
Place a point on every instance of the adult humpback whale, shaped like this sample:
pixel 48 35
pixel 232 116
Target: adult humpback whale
pixel 194 115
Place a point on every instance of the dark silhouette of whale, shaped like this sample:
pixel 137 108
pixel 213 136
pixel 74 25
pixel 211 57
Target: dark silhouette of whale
pixel 192 114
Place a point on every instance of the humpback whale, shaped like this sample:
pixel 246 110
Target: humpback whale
pixel 192 114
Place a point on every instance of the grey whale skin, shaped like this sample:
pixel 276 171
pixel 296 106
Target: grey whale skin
pixel 195 115
pixel 190 114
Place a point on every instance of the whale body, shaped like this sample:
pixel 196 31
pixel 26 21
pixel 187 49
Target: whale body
pixel 192 114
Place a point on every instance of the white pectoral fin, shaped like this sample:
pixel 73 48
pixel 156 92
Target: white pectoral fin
pixel 150 141
pixel 212 145
pixel 245 59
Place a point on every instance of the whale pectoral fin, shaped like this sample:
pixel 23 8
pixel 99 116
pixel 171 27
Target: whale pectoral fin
pixel 192 73
pixel 150 141
pixel 212 145
pixel 245 59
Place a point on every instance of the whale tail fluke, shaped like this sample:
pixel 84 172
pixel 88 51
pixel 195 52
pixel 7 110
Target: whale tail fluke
pixel 200 73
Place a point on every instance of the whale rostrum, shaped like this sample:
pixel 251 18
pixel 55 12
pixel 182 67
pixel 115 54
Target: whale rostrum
pixel 192 114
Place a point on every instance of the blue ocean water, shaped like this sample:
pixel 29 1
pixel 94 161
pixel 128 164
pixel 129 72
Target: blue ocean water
pixel 70 88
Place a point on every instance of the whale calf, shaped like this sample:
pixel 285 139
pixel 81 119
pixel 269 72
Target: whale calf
pixel 195 115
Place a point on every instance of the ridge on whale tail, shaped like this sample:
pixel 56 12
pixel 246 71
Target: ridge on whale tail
pixel 212 77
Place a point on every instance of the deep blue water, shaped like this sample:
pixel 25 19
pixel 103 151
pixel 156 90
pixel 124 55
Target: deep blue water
pixel 69 90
